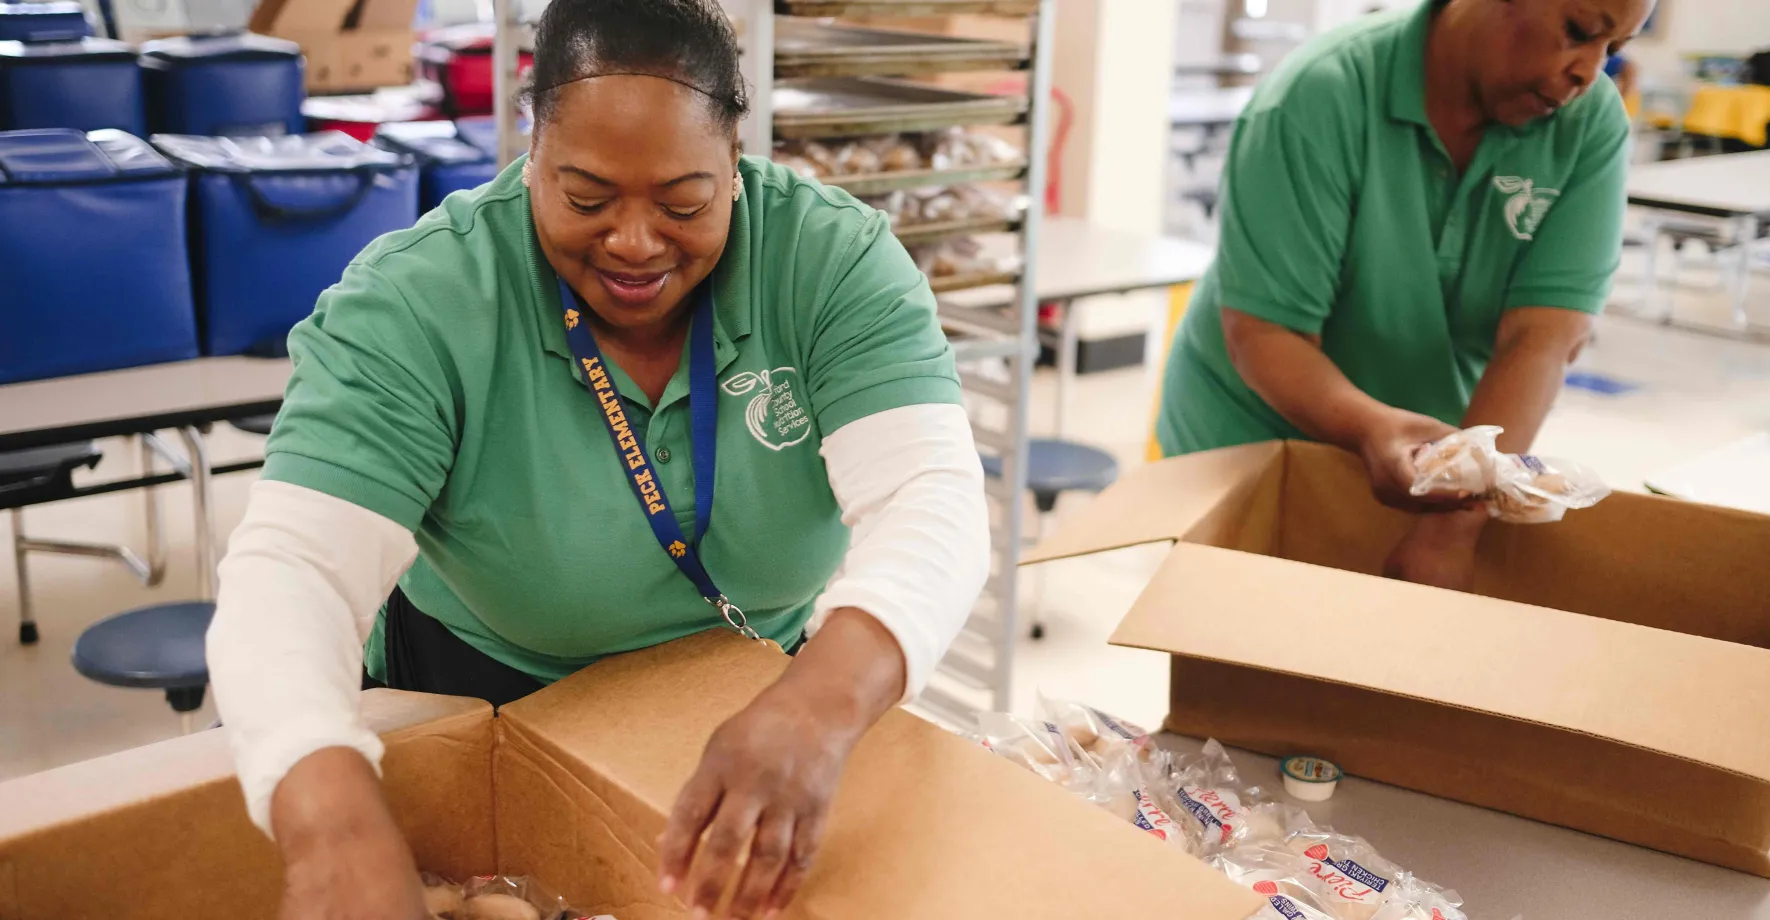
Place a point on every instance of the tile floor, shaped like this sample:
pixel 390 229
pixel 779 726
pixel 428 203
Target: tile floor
pixel 1695 392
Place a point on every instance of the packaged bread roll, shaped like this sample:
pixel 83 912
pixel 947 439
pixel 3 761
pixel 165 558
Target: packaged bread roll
pixel 1355 878
pixel 499 907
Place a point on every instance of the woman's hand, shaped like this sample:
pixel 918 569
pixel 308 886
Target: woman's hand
pixel 1388 449
pixel 765 782
pixel 343 856
pixel 1439 550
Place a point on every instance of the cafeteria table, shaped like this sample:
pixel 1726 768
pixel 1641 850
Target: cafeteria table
pixel 1077 259
pixel 1733 188
pixel 183 395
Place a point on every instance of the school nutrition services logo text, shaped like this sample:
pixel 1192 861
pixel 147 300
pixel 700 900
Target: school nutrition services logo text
pixel 1527 205
pixel 775 416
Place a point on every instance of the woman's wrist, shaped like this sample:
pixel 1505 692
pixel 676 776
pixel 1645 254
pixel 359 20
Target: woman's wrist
pixel 330 795
pixel 848 676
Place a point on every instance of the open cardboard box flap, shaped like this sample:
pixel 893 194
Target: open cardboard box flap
pixel 160 832
pixel 925 824
pixel 1599 678
pixel 573 785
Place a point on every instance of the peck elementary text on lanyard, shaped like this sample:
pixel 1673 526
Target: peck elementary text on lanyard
pixel 703 408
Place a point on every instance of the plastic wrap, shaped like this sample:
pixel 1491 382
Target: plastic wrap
pixel 1201 803
pixel 1279 876
pixel 955 148
pixel 1038 746
pixel 961 256
pixel 1355 879
pixel 496 897
pixel 1518 488
pixel 1101 736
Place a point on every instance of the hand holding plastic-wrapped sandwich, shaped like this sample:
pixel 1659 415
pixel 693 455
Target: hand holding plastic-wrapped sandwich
pixel 1421 215
pixel 636 387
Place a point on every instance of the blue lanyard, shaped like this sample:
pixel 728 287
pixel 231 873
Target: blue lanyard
pixel 648 487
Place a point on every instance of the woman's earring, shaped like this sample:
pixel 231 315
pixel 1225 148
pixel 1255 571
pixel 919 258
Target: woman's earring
pixel 737 187
pixel 528 172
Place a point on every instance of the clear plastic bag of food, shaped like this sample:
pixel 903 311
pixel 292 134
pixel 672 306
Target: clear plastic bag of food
pixel 1220 812
pixel 1518 488
pixel 1355 879
pixel 895 154
pixel 1038 746
pixel 1417 900
pixel 495 897
pixel 857 159
pixel 1540 490
pixel 1099 735
pixel 1460 462
pixel 957 148
pixel 1278 875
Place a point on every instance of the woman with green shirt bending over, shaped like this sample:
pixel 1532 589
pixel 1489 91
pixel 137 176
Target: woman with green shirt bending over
pixel 634 388
pixel 1421 215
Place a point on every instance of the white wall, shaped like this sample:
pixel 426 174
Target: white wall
pixel 1115 60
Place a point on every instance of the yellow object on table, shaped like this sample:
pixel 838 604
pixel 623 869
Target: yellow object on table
pixel 1178 297
pixel 1738 112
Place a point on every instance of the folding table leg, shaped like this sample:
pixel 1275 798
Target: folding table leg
pixel 199 476
pixel 27 623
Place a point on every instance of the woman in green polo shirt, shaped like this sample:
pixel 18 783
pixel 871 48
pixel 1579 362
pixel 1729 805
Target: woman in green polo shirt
pixel 1421 215
pixel 635 388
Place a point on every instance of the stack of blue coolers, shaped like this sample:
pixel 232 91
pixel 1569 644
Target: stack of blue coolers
pixel 277 220
pixel 452 155
pixel 215 239
pixel 54 74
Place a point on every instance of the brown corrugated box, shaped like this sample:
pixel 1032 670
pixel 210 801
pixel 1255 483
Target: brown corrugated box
pixel 351 45
pixel 1612 677
pixel 573 785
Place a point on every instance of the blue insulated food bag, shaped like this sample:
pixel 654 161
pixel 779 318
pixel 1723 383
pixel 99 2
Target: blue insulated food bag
pixel 86 85
pixel 94 273
pixel 274 222
pixel 451 156
pixel 238 85
pixel 43 22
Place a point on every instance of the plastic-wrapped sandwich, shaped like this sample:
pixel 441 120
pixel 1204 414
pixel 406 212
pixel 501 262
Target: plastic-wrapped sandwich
pixel 1518 488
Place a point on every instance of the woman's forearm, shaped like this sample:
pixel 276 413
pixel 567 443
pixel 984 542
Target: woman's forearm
pixel 1532 351
pixel 1291 373
pixel 852 670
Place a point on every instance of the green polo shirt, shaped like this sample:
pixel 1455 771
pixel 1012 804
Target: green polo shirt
pixel 433 386
pixel 1343 216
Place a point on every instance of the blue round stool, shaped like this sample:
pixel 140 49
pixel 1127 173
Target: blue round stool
pixel 156 648
pixel 1054 467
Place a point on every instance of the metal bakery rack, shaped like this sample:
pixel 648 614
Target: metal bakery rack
pixel 815 78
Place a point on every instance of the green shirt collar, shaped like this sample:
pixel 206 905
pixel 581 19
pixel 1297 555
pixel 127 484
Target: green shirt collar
pixel 1407 78
pixel 731 280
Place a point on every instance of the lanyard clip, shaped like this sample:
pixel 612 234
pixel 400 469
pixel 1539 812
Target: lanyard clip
pixel 734 617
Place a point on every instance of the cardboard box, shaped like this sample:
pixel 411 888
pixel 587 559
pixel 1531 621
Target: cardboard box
pixel 351 45
pixel 572 786
pixel 1612 677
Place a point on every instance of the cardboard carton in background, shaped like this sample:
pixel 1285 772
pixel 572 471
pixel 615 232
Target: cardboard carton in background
pixel 572 786
pixel 1611 674
pixel 351 45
